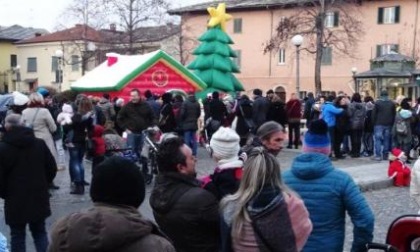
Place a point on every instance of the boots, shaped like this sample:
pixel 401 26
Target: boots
pixel 78 189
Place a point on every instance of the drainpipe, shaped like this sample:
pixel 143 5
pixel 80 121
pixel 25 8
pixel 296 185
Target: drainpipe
pixel 271 35
pixel 415 29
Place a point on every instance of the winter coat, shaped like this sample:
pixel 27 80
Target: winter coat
pixel 190 112
pixel 342 121
pixel 259 110
pixel 402 117
pixel 81 124
pixel 415 182
pixel 368 121
pixel 26 169
pixel 357 114
pixel 328 194
pixel 107 228
pixel 167 115
pixel 154 105
pixel 107 108
pixel 245 123
pixel 43 125
pixel 293 111
pixel 384 112
pixel 329 113
pixel 188 214
pixel 307 113
pixel 277 113
pixel 217 110
pixel 399 171
pixel 136 117
pixel 99 141
pixel 225 179
pixel 279 223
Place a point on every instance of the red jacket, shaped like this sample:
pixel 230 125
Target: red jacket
pixel 293 110
pixel 99 141
pixel 403 173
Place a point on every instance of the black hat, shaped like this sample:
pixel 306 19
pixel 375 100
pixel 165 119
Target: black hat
pixel 318 127
pixel 118 181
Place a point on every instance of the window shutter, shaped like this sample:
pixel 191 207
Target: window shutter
pixel 378 50
pixel 380 15
pixel 336 19
pixel 397 14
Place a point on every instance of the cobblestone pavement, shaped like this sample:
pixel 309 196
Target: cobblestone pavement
pixel 387 204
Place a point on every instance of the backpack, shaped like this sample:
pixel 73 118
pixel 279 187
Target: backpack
pixel 401 127
pixel 358 118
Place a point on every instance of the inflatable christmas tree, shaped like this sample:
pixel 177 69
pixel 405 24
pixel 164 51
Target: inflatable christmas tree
pixel 213 62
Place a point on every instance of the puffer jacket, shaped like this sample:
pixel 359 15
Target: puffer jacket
pixel 136 117
pixel 107 228
pixel 329 193
pixel 357 114
pixel 186 213
pixel 329 113
pixel 190 112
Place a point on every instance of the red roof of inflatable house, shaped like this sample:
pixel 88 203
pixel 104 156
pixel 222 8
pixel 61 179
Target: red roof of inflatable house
pixel 155 71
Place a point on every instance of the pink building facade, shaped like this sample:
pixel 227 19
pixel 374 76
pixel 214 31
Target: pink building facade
pixel 388 26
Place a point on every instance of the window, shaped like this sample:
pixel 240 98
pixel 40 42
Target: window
pixel 54 64
pixel 389 15
pixel 32 66
pixel 13 60
pixel 282 56
pixel 326 56
pixel 331 19
pixel 75 63
pixel 237 60
pixel 237 25
pixel 386 49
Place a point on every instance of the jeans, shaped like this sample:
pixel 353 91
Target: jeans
pixel 135 142
pixel 190 138
pixel 368 143
pixel 76 168
pixel 18 236
pixel 383 139
pixel 294 129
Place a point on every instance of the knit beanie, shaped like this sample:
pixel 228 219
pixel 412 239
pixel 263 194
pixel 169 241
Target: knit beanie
pixel 225 143
pixel 118 181
pixel 20 99
pixel 268 128
pixel 316 138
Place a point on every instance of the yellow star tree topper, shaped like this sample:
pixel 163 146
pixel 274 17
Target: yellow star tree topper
pixel 218 16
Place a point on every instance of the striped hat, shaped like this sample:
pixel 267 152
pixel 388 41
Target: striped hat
pixel 316 138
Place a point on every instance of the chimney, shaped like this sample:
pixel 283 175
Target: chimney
pixel 112 58
pixel 113 27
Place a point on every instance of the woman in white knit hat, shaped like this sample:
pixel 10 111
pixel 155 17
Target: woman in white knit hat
pixel 224 149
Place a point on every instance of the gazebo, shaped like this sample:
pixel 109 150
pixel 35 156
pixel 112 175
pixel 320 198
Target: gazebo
pixel 393 72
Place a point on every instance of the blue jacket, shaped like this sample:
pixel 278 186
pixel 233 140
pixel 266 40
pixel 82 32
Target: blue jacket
pixel 328 193
pixel 329 113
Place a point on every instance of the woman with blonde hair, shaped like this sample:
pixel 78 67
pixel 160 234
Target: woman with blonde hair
pixel 263 215
pixel 39 118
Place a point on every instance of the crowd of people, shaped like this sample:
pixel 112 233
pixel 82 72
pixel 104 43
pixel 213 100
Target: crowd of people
pixel 246 204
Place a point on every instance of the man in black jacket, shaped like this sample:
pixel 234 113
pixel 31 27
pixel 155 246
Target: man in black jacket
pixel 190 112
pixel 383 116
pixel 184 211
pixel 27 167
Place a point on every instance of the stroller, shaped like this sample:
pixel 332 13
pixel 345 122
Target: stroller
pixel 403 235
pixel 150 148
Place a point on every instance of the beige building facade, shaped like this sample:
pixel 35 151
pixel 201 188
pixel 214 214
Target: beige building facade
pixel 250 29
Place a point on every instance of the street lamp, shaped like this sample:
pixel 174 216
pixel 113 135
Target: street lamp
pixel 297 40
pixel 354 71
pixel 59 72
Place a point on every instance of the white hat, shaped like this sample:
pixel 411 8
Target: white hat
pixel 225 143
pixel 19 99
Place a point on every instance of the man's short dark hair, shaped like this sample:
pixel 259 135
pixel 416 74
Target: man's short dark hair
pixel 215 95
pixel 105 95
pixel 257 91
pixel 170 155
pixel 135 90
pixel 148 94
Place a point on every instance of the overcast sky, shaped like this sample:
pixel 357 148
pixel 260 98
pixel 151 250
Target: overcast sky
pixel 44 13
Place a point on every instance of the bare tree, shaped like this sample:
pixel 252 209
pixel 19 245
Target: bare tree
pixel 310 22
pixel 135 13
